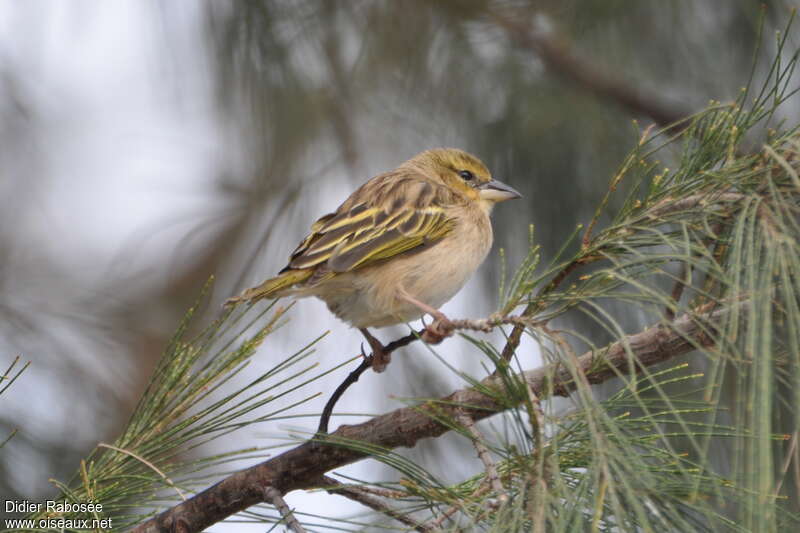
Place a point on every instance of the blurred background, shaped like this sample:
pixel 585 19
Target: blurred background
pixel 146 145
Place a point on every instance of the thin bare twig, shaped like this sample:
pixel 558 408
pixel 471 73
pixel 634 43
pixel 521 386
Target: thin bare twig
pixel 274 496
pixel 677 291
pixel 670 205
pixel 684 278
pixel 366 363
pixel 525 318
pixel 352 377
pixel 492 477
pixel 453 509
pixel 790 454
pixel 450 511
pixel 536 503
pixel 488 324
pixel 362 496
pixel 389 494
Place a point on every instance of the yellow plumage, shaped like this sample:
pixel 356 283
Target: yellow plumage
pixel 273 287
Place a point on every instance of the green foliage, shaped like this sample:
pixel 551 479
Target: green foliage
pixel 185 406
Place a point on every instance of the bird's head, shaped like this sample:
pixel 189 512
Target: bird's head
pixel 464 173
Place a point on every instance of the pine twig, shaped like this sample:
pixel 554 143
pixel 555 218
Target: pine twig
pixel 445 515
pixel 366 363
pixel 492 477
pixel 383 493
pixel 363 496
pixel 670 205
pixel 488 324
pixel 537 500
pixel 684 275
pixel 351 378
pixel 677 291
pixel 453 509
pixel 274 496
pixel 525 318
pixel 442 519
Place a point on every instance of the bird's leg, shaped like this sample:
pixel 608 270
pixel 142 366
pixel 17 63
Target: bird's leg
pixel 380 358
pixel 441 328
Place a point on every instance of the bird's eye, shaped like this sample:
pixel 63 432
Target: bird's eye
pixel 466 175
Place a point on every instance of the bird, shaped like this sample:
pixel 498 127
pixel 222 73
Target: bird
pixel 397 248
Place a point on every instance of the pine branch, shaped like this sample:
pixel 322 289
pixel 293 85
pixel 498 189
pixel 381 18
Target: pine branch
pixel 302 467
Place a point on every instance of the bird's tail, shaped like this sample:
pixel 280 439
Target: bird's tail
pixel 271 288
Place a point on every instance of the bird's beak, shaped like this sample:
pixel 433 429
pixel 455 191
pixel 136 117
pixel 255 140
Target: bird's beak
pixel 497 191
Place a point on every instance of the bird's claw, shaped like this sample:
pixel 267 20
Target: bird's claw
pixel 440 329
pixel 379 357
pixel 380 360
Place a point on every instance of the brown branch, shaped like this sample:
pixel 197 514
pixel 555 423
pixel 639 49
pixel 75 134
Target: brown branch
pixel 301 467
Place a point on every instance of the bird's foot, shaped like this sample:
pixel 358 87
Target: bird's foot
pixel 380 357
pixel 441 328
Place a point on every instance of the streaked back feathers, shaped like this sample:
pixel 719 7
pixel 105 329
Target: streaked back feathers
pixel 399 212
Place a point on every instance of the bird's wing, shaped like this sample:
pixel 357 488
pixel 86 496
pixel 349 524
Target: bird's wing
pixel 377 228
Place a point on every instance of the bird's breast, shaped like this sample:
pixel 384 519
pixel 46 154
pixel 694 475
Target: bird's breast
pixel 370 297
pixel 448 264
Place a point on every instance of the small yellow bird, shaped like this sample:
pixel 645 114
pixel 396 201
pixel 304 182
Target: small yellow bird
pixel 400 246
